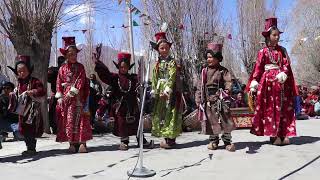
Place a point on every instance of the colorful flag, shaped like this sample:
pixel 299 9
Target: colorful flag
pixel 134 23
pixel 137 12
pixel 142 15
pixel 133 9
pixel 181 26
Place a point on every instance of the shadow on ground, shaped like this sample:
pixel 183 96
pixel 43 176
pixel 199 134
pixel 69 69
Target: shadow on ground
pixel 254 146
pixel 19 159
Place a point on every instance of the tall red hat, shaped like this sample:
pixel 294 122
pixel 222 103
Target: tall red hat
pixel 22 59
pixel 215 49
pixel 160 37
pixel 124 57
pixel 68 42
pixel 269 23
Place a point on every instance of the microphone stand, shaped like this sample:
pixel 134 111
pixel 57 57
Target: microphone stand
pixel 140 170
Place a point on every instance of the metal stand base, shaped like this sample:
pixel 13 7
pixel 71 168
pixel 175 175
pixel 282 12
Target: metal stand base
pixel 141 172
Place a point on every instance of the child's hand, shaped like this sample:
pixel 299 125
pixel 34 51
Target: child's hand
pixel 30 93
pixel 163 96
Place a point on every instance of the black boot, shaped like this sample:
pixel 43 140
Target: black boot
pixel 31 146
pixel 146 144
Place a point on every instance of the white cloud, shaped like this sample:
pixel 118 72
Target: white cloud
pixel 82 11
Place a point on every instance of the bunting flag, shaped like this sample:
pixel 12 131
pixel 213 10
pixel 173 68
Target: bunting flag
pixel 229 36
pixel 134 23
pixel 84 31
pixel 137 12
pixel 133 9
pixel 124 26
pixel 142 15
pixel 181 26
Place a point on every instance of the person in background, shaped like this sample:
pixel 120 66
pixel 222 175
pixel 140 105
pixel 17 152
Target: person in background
pixel 52 79
pixel 239 101
pixel 3 79
pixel 8 120
pixel 95 96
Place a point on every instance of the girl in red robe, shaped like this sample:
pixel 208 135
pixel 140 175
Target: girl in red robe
pixel 273 83
pixel 72 92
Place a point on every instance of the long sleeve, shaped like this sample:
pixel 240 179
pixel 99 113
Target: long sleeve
pixel 227 80
pixel 38 89
pixel 104 73
pixel 172 78
pixel 59 87
pixel 259 66
pixel 154 80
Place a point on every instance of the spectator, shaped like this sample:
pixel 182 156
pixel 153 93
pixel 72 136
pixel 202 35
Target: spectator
pixel 8 120
pixel 311 100
pixel 235 87
pixel 3 79
pixel 239 102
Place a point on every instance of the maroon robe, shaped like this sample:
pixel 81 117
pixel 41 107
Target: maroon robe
pixel 72 123
pixel 35 129
pixel 274 109
pixel 125 102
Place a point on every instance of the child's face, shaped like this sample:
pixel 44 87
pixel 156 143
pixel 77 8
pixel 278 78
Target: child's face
pixel 7 90
pixel 274 37
pixel 164 49
pixel 123 68
pixel 22 71
pixel 212 61
pixel 72 55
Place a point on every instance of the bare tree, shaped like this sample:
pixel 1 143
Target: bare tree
pixel 251 14
pixel 29 26
pixel 191 24
pixel 306 41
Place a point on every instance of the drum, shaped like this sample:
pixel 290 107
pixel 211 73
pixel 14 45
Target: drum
pixel 191 121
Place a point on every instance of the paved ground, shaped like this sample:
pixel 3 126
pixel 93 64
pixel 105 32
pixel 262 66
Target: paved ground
pixel 254 159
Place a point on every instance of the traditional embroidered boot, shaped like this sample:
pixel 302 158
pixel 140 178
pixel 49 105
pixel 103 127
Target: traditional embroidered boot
pixel 214 142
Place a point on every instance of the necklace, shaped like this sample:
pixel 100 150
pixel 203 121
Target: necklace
pixel 272 58
pixel 121 89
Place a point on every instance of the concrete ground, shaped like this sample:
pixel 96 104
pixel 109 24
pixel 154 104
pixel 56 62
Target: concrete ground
pixel 254 159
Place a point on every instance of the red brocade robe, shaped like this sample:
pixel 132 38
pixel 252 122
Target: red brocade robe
pixel 125 102
pixel 34 129
pixel 274 105
pixel 72 123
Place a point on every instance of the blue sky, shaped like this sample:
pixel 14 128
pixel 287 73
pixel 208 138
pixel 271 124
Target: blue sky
pixel 114 15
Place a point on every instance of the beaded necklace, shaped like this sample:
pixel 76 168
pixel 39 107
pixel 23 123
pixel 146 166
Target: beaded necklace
pixel 121 89
pixel 272 58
